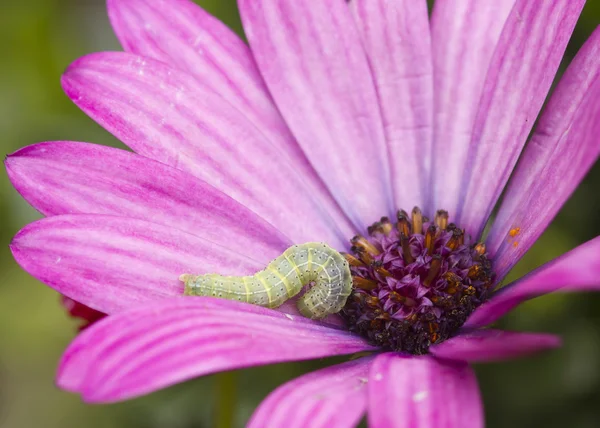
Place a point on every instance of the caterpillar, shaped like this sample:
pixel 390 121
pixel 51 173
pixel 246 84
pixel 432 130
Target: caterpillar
pixel 312 263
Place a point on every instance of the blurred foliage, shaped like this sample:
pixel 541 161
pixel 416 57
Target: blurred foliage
pixel 40 38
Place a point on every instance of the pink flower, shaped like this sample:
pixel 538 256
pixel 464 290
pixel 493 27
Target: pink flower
pixel 338 113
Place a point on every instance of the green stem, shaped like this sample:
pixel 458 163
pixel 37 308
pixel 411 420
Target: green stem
pixel 226 395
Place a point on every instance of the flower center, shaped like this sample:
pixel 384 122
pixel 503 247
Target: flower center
pixel 415 282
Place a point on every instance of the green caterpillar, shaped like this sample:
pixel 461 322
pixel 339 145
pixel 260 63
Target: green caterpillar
pixel 313 263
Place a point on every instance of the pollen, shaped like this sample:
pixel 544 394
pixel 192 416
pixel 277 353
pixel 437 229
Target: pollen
pixel 514 232
pixel 415 281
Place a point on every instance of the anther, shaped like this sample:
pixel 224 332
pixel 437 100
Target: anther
pixel 375 227
pixel 377 267
pixel 372 301
pixel 454 241
pixel 408 258
pixel 434 269
pixel 365 284
pixel 475 271
pixel 403 224
pixel 430 239
pixel 454 282
pixel 365 257
pixel 362 242
pixel 353 261
pixel 398 298
pixel 441 219
pixel 461 239
pixel 470 290
pixel 384 316
pixel 417 220
pixel 386 225
pixel 480 248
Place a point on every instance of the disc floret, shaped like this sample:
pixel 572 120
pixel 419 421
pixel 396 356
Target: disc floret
pixel 415 281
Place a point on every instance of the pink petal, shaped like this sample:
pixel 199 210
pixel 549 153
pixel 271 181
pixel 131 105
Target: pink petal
pixel 160 344
pixel 184 36
pixel 164 114
pixel 577 270
pixel 110 263
pixel 464 36
pixel 521 71
pixel 494 345
pixel 422 392
pixel 311 57
pixel 332 397
pixel 562 150
pixel 67 177
pixel 396 39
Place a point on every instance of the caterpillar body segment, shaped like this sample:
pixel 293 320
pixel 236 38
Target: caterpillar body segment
pixel 313 264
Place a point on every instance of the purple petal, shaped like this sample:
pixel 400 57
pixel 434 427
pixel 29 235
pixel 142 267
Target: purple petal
pixel 464 36
pixel 184 36
pixel 494 345
pixel 164 114
pixel 317 399
pixel 521 71
pixel 577 270
pixel 418 392
pixel 396 39
pixel 311 57
pixel 562 150
pixel 160 344
pixel 110 263
pixel 67 177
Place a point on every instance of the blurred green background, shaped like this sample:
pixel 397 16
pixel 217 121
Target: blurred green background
pixel 39 39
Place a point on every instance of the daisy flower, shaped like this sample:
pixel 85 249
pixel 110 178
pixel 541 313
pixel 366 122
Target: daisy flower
pixel 336 116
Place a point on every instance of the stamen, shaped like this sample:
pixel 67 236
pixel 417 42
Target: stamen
pixel 454 241
pixel 372 301
pixel 429 239
pixel 375 227
pixel 475 271
pixel 480 248
pixel 461 238
pixel 441 219
pixel 377 267
pixel 384 316
pixel 403 224
pixel 454 282
pixel 362 242
pixel 386 225
pixel 408 258
pixel 417 221
pixel 365 284
pixel 363 254
pixel 434 269
pixel 353 261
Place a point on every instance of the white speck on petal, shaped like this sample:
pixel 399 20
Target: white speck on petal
pixel 420 396
pixel 288 316
pixel 58 259
pixel 378 376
